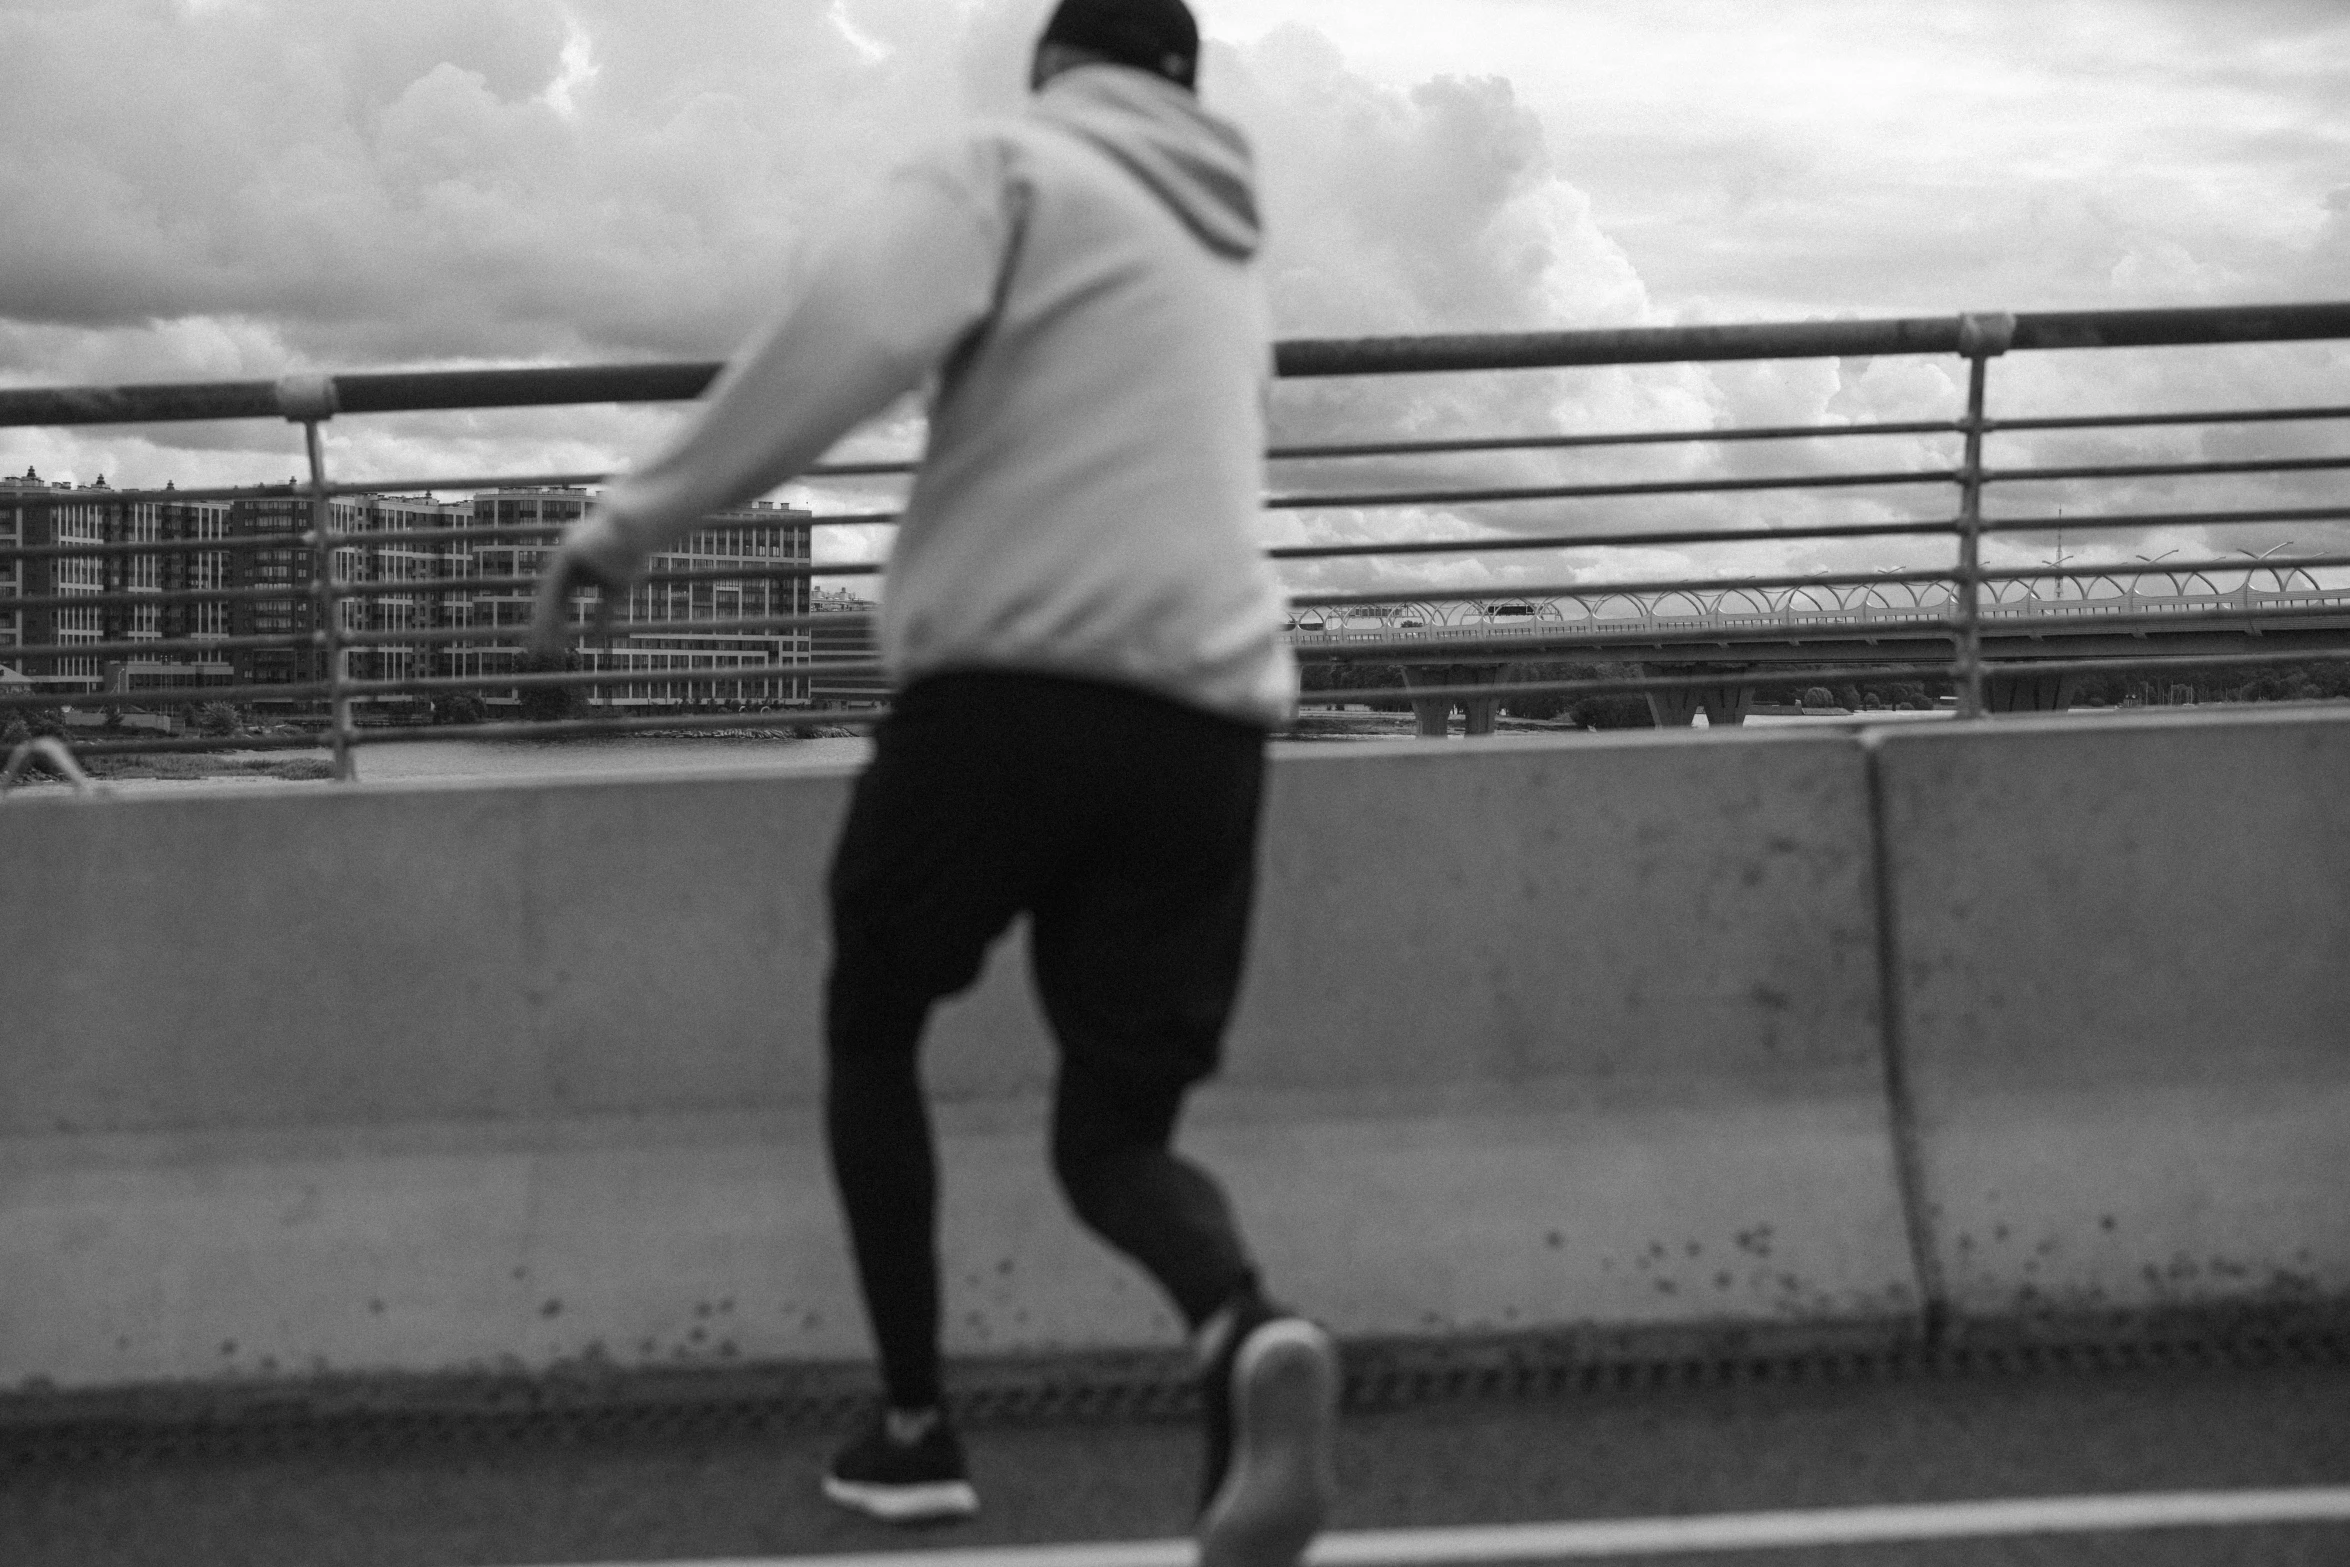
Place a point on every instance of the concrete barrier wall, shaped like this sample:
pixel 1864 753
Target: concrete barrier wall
pixel 425 1078
pixel 1570 1035
pixel 2124 953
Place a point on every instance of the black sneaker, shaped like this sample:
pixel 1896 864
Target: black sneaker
pixel 903 1482
pixel 1271 1395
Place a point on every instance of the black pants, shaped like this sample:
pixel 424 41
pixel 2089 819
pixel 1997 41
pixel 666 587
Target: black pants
pixel 1125 827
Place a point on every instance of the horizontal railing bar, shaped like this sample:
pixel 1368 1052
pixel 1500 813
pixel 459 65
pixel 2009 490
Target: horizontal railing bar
pixel 1767 675
pixel 2181 326
pixel 234 544
pixel 418 636
pixel 862 717
pixel 1582 541
pixel 540 536
pixel 542 533
pixel 396 392
pixel 130 647
pixel 1315 357
pixel 56 500
pixel 1627 685
pixel 1611 588
pixel 161 597
pixel 1746 674
pixel 429 587
pixel 2031 524
pixel 519 586
pixel 1507 591
pixel 381 539
pixel 424 391
pixel 1560 492
pixel 2155 470
pixel 2091 666
pixel 547 533
pixel 548 386
pixel 737 625
pixel 472 484
pixel 1509 443
pixel 425 685
pixel 1614 588
pixel 586 728
pixel 1555 641
pixel 260 691
pixel 557 729
pixel 140 745
pixel 1797 675
pixel 1450 644
pixel 2202 416
pixel 2116 613
pixel 479 483
pixel 2163 519
pixel 1806 340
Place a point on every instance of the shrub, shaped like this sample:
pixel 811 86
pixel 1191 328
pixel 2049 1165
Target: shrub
pixel 550 704
pixel 1625 710
pixel 217 718
pixel 460 707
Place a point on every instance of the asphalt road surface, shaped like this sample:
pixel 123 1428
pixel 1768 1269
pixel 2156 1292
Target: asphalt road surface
pixel 1572 1456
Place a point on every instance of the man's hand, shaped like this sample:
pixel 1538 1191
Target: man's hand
pixel 550 626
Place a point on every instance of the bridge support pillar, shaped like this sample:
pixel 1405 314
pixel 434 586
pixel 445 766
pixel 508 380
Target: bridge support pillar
pixel 1435 713
pixel 2029 693
pixel 1725 705
pixel 1478 713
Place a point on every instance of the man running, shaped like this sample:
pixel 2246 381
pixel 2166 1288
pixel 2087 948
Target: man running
pixel 1085 642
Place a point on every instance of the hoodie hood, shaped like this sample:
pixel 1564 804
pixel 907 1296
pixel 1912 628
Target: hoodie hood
pixel 1196 163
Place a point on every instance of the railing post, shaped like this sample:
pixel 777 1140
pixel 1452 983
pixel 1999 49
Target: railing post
pixel 1980 338
pixel 310 401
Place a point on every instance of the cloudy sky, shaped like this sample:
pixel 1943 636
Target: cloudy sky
pixel 236 188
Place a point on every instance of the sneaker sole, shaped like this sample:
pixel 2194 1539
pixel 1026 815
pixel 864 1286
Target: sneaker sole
pixel 926 1503
pixel 1281 1481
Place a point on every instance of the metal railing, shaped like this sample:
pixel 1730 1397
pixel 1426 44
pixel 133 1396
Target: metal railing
pixel 1971 611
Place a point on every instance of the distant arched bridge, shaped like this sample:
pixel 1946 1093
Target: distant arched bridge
pixel 1820 625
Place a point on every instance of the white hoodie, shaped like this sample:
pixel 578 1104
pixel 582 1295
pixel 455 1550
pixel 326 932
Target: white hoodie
pixel 1081 280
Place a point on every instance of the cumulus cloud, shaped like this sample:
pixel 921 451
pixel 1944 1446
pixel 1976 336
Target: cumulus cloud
pixel 264 185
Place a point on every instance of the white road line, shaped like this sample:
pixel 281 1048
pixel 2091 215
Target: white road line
pixel 1666 1536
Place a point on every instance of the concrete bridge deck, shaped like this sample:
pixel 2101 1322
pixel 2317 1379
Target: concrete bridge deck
pixel 1944 1035
pixel 1873 1035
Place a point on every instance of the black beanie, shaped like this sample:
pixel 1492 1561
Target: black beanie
pixel 1157 36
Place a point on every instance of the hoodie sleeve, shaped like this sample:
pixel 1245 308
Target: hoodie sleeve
pixel 901 278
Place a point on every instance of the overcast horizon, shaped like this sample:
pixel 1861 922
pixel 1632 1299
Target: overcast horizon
pixel 213 189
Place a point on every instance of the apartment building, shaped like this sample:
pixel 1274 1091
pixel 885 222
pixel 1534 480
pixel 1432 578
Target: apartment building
pixel 402 583
pixel 681 665
pixel 114 571
pixel 407 564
